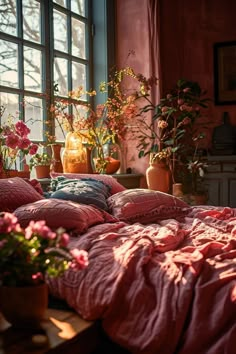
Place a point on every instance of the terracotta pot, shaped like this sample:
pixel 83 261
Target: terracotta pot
pixel 158 177
pixel 177 190
pixel 42 171
pixel 14 173
pixel 56 165
pixel 24 306
pixel 199 199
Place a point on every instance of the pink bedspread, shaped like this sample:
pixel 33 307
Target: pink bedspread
pixel 161 288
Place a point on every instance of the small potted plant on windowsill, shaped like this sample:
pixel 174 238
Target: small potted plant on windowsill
pixel 198 191
pixel 41 162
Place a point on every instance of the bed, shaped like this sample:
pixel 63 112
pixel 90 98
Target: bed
pixel 161 275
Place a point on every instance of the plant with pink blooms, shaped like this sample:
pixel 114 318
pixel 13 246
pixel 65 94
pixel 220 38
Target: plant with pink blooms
pixel 170 132
pixel 14 142
pixel 108 121
pixel 28 255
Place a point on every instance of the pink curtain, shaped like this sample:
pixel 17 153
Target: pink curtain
pixel 137 32
pixel 153 7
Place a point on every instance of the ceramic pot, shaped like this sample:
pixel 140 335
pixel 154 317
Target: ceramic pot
pixel 56 165
pixel 158 176
pixel 14 173
pixel 24 306
pixel 177 190
pixel 42 171
pixel 199 199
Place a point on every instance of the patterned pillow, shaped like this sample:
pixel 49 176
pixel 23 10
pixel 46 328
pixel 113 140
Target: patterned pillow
pixel 145 206
pixel 109 180
pixel 15 192
pixel 62 213
pixel 85 191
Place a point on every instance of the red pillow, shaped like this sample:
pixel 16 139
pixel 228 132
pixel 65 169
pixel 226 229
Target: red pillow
pixel 36 184
pixel 145 206
pixel 62 213
pixel 15 192
pixel 109 180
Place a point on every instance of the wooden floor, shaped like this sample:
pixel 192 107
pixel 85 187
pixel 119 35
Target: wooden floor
pixel 62 331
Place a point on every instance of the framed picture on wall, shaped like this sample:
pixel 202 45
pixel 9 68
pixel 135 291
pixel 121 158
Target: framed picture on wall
pixel 225 73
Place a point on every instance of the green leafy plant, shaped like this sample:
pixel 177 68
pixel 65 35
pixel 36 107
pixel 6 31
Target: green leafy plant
pixel 28 255
pixel 40 159
pixel 172 121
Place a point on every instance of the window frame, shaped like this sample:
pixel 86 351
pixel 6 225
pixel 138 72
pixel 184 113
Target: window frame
pixel 101 47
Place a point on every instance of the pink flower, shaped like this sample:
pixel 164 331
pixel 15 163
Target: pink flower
pixel 12 141
pixel 169 96
pixel 180 101
pixel 80 258
pixel 37 276
pixel 164 109
pixel 41 229
pixel 186 121
pixel 24 143
pixel 64 239
pixel 33 149
pixel 22 129
pixel 186 89
pixel 8 223
pixel 162 124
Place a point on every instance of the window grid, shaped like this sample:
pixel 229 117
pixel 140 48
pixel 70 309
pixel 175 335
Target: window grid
pixel 46 47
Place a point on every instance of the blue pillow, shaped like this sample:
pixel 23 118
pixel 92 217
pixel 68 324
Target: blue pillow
pixel 83 191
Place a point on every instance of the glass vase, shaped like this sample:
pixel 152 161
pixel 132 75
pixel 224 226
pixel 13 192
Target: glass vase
pixel 106 158
pixel 74 156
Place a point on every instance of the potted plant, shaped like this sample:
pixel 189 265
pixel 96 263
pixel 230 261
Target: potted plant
pixel 171 123
pixel 41 161
pixel 27 257
pixel 14 145
pixel 101 127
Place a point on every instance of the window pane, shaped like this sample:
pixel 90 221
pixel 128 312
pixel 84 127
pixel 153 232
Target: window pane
pixel 31 20
pixel 78 6
pixel 34 117
pixel 60 31
pixel 60 2
pixel 61 76
pixel 8 64
pixel 78 76
pixel 11 104
pixel 32 69
pixel 8 17
pixel 78 38
pixel 60 133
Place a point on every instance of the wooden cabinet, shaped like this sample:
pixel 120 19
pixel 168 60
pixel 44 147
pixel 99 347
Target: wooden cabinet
pixel 220 181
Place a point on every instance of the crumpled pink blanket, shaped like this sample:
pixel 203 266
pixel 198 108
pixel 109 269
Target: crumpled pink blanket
pixel 161 288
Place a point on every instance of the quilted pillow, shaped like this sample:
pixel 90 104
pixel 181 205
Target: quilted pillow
pixel 15 192
pixel 85 191
pixel 109 180
pixel 145 206
pixel 62 213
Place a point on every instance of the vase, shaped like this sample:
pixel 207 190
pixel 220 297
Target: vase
pixel 56 165
pixel 158 176
pixel 74 157
pixel 42 171
pixel 106 158
pixel 24 307
pixel 199 199
pixel 177 190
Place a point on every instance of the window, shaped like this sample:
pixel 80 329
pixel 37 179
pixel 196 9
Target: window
pixel 42 44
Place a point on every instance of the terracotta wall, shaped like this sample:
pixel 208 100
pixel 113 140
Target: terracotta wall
pixel 187 34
